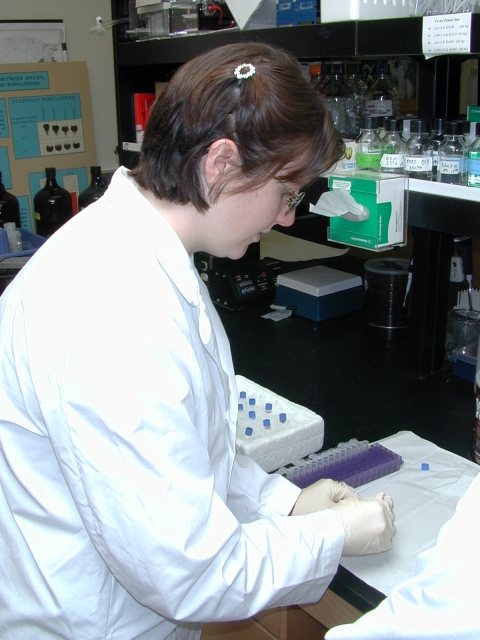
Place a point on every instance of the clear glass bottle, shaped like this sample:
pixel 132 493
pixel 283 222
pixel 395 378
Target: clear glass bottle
pixel 9 206
pixel 353 79
pixel 339 100
pixel 381 98
pixel 473 160
pixel 52 205
pixel 393 148
pixel 96 189
pixel 419 151
pixel 436 136
pixel 450 154
pixel 324 78
pixel 368 146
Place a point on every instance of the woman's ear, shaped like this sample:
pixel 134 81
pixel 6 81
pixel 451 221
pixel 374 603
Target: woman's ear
pixel 221 157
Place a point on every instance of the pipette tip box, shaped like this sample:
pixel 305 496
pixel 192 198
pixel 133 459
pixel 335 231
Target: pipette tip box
pixel 292 433
pixel 319 293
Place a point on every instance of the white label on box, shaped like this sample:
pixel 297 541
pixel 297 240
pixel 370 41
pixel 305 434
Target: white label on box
pixel 341 184
pixel 446 34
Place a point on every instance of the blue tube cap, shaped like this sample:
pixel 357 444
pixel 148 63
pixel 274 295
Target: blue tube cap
pixel 248 431
pixel 425 466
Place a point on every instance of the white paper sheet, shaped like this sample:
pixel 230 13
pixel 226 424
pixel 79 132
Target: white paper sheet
pixel 424 501
pixel 283 247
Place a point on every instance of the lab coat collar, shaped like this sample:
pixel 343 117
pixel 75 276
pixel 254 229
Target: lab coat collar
pixel 166 244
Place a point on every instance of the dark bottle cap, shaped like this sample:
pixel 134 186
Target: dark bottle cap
pixel 50 172
pixel 477 128
pixel 336 69
pixel 353 69
pixel 369 122
pixel 438 125
pixel 454 128
pixel 95 171
pixel 419 126
pixel 393 124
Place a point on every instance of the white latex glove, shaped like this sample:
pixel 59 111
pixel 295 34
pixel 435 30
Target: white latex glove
pixel 368 524
pixel 321 495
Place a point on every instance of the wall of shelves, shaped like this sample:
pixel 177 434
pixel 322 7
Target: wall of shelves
pixel 437 212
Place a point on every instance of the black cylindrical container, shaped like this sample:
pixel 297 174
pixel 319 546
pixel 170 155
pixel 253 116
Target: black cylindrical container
pixel 385 300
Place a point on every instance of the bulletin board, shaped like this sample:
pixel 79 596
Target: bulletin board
pixel 45 121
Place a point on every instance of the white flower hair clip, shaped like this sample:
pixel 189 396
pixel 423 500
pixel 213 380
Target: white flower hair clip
pixel 244 71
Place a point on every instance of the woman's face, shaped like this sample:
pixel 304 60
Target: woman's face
pixel 237 220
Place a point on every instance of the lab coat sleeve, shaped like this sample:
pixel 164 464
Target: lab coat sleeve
pixel 255 493
pixel 440 602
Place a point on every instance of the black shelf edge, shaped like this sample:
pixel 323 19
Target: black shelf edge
pixel 369 38
pixel 382 38
pixel 444 215
pixel 306 41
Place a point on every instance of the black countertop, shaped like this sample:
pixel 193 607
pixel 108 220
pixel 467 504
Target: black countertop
pixel 353 375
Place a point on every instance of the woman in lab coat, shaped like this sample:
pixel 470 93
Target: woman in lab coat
pixel 125 511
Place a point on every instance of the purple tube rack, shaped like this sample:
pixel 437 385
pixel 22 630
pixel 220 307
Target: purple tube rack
pixel 374 462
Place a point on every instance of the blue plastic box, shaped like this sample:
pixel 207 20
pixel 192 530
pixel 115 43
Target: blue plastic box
pixel 35 242
pixel 306 11
pixel 285 13
pixel 319 293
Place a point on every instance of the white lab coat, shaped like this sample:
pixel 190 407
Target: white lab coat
pixel 440 601
pixel 124 509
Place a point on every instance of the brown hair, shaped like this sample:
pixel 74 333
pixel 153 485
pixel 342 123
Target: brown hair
pixel 274 117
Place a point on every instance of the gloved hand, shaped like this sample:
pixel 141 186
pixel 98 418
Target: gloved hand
pixel 321 495
pixel 368 524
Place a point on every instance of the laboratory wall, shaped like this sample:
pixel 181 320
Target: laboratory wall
pixel 82 45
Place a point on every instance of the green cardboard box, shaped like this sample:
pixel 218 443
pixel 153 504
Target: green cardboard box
pixel 473 113
pixel 386 198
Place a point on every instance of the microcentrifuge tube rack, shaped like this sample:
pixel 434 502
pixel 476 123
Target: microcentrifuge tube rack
pixel 353 462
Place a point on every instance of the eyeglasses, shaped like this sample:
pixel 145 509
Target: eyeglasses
pixel 293 199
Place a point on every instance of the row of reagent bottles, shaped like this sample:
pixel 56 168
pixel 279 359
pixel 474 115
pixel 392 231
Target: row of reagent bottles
pixel 443 153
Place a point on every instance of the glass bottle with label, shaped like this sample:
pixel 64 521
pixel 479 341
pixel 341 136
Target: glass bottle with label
pixel 393 148
pixel 52 205
pixel 450 154
pixel 96 189
pixel 9 206
pixel 368 146
pixel 436 136
pixel 473 160
pixel 419 151
pixel 381 98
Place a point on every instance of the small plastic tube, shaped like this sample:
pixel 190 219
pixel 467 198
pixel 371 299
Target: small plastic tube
pixel 282 417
